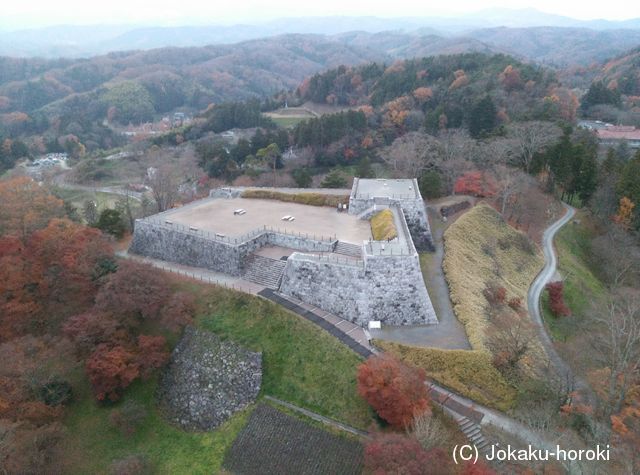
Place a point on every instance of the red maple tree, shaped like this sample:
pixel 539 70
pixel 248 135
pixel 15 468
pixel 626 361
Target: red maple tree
pixel 396 391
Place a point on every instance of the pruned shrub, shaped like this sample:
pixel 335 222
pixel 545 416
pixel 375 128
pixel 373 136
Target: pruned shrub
pixel 383 227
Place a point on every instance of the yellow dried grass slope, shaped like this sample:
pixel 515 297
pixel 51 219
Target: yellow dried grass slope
pixel 480 247
pixel 312 199
pixel 383 227
pixel 469 373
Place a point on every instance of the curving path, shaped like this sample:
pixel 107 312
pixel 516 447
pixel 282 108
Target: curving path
pixel 533 302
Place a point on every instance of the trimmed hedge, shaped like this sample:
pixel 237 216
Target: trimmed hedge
pixel 383 227
pixel 467 372
pixel 312 199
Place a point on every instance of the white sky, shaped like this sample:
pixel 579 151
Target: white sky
pixel 33 13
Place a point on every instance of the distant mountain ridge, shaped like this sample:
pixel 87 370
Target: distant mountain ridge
pixel 527 33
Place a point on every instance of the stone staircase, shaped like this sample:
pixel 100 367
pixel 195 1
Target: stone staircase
pixel 348 249
pixel 264 271
pixel 370 211
pixel 473 432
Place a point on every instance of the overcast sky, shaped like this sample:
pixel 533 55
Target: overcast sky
pixel 35 13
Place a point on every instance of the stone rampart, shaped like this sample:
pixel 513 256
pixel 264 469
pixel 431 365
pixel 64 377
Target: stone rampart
pixel 386 288
pixel 197 248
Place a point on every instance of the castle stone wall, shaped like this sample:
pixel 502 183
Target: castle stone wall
pixel 386 288
pixel 193 248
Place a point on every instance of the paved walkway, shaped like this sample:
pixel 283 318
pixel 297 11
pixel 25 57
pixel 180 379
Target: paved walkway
pixel 198 273
pixel 352 335
pixel 533 302
pixel 449 333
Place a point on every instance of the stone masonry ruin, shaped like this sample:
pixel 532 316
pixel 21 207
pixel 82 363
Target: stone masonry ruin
pixel 208 380
pixel 336 268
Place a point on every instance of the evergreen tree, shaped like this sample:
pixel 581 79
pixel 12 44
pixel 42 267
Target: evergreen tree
pixel 302 177
pixel 335 179
pixel 598 93
pixel 364 169
pixel 482 118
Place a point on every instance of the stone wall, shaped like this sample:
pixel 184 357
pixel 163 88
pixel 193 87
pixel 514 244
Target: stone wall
pixel 225 192
pixel 207 380
pixel 162 242
pixel 386 288
pixel 174 243
pixel 418 222
pixel 414 211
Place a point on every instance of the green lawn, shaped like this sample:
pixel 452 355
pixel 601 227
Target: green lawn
pixel 79 197
pixel 93 444
pixel 581 285
pixel 302 364
pixel 289 122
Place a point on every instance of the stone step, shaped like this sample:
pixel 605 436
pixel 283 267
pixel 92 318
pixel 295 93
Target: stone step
pixel 348 249
pixel 264 271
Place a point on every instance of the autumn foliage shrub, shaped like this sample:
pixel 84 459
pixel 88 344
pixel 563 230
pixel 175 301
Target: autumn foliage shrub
pixel 495 294
pixel 111 369
pixel 136 291
pixel 395 391
pixel 556 299
pixel 476 184
pixel 400 454
pixel 515 303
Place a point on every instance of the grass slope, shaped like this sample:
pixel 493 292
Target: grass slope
pixel 480 247
pixel 93 444
pixel 301 363
pixel 469 373
pixel 573 247
pixel 383 227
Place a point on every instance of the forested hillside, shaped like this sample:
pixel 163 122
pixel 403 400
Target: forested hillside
pixel 446 88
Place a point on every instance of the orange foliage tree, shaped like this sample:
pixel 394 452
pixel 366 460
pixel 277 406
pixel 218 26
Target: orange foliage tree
pixel 26 206
pixel 396 391
pixel 510 78
pixel 111 369
pixel 624 216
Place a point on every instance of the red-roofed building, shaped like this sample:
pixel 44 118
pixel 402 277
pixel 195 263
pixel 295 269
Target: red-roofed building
pixel 614 134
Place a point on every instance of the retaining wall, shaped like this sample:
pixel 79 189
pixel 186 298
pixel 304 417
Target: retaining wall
pixel 178 244
pixel 386 288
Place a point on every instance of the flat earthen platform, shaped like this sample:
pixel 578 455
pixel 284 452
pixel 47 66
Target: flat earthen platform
pixel 217 215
